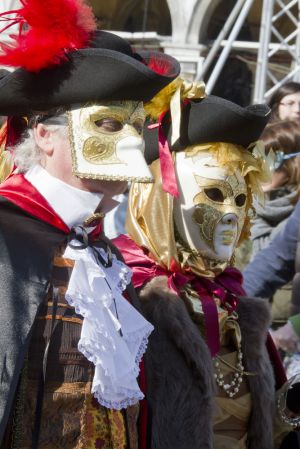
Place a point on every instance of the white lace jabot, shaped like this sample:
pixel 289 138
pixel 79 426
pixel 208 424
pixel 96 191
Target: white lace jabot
pixel 114 335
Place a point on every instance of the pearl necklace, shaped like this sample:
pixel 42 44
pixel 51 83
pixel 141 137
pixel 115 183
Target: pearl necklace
pixel 294 422
pixel 284 413
pixel 232 388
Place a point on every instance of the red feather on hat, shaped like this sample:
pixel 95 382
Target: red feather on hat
pixel 160 66
pixel 55 27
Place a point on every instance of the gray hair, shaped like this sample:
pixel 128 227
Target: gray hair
pixel 28 153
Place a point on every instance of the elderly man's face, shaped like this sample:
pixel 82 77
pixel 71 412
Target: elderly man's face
pixel 57 160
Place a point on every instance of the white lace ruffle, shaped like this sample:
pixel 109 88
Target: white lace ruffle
pixel 114 334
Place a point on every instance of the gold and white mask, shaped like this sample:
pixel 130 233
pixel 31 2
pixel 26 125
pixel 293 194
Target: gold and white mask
pixel 210 213
pixel 107 142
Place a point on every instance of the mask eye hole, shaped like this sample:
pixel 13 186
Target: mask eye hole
pixel 240 200
pixel 109 125
pixel 215 194
pixel 138 126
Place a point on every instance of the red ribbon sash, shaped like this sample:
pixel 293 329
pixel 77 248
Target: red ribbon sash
pixel 225 287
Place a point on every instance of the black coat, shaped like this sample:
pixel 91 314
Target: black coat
pixel 27 248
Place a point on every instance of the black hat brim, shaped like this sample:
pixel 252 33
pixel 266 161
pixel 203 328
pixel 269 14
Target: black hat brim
pixel 212 119
pixel 91 74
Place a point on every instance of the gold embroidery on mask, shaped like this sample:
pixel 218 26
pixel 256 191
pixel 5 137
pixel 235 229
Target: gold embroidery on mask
pixel 191 257
pixel 100 151
pixel 145 179
pixel 216 199
pixel 207 217
pixel 229 187
pixel 100 147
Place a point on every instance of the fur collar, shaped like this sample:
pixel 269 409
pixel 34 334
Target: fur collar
pixel 180 374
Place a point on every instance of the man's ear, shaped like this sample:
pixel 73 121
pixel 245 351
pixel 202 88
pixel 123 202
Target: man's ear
pixel 44 139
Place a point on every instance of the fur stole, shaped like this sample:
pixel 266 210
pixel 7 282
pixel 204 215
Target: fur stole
pixel 180 382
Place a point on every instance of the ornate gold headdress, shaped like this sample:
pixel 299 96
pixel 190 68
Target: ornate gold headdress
pixel 150 219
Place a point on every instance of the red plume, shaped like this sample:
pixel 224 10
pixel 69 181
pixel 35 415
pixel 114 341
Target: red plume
pixel 160 66
pixel 55 28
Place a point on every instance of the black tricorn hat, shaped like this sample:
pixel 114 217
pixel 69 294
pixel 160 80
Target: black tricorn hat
pixel 106 70
pixel 212 119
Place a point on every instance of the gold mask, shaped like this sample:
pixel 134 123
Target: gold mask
pixel 154 214
pixel 107 126
pixel 107 141
pixel 216 200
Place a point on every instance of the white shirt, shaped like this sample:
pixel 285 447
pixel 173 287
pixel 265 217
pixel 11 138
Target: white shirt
pixel 72 205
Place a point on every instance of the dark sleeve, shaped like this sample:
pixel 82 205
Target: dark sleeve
pixel 274 266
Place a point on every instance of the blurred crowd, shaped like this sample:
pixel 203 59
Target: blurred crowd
pixel 271 230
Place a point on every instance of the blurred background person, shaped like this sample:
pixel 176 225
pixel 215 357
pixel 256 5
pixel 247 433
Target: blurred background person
pixel 285 102
pixel 282 193
pixel 285 106
pixel 272 268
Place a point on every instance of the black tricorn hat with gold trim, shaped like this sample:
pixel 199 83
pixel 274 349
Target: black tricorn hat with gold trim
pixel 73 63
pixel 211 119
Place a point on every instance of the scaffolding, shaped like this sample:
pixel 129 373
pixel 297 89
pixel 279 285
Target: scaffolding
pixel 268 76
pixel 266 80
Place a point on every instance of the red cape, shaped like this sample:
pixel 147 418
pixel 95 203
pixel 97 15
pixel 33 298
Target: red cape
pixel 24 195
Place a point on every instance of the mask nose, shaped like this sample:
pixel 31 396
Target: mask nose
pixel 230 219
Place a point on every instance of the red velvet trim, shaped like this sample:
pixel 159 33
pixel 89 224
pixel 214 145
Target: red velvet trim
pixel 24 195
pixel 97 231
pixel 167 168
pixel 169 181
pixel 279 371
